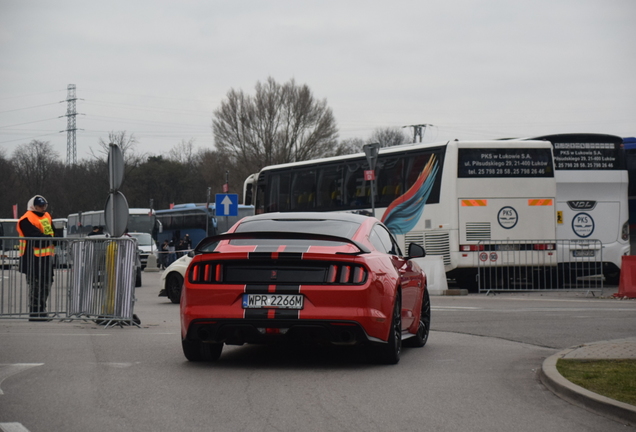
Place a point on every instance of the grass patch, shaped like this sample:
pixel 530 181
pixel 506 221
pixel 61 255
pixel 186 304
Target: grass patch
pixel 615 379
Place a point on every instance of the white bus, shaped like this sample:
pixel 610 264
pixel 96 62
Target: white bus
pixel 592 201
pixel 470 202
pixel 9 256
pixel 141 220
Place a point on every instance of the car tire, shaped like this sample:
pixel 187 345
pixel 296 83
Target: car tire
pixel 421 337
pixel 174 283
pixel 197 351
pixel 389 353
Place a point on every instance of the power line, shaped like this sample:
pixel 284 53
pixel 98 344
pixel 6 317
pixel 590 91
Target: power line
pixel 142 108
pixel 34 106
pixel 36 121
pixel 28 138
pixel 30 94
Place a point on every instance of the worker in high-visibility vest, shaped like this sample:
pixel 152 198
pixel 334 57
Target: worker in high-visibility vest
pixel 36 256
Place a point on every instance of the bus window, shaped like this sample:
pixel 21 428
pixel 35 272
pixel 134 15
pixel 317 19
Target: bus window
pixel 303 193
pixel 389 180
pixel 358 191
pixel 330 193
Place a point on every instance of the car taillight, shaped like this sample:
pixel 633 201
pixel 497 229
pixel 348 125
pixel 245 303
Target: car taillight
pixel 346 274
pixel 194 273
pixel 359 275
pixel 206 272
pixel 625 231
pixel 331 276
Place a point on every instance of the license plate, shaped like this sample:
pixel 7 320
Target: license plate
pixel 583 253
pixel 273 301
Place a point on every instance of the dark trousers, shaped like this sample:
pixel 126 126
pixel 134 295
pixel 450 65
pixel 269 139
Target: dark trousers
pixel 39 290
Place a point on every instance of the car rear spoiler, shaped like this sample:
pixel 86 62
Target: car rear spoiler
pixel 208 244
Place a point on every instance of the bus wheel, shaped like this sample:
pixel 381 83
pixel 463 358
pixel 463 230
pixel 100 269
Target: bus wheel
pixel 174 282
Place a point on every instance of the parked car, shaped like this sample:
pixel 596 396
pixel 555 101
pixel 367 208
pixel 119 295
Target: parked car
pixel 146 246
pixel 172 278
pixel 333 278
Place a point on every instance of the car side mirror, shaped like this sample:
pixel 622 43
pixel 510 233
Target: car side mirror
pixel 191 254
pixel 416 251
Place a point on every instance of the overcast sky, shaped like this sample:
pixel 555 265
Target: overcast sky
pixel 473 69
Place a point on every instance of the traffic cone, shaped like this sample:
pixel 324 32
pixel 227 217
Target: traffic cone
pixel 627 283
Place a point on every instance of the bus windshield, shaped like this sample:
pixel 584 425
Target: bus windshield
pixel 8 228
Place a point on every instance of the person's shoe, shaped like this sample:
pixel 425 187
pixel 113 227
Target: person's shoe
pixel 41 316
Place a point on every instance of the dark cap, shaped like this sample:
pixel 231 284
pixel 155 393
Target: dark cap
pixel 39 201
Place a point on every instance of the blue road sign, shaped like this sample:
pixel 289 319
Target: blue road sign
pixel 226 204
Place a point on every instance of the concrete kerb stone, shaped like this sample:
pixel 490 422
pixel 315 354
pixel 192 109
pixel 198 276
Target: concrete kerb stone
pixel 577 395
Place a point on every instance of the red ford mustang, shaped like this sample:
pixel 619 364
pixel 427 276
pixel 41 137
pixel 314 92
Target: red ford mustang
pixel 333 278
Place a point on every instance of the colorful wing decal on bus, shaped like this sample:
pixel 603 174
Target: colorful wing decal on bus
pixel 405 211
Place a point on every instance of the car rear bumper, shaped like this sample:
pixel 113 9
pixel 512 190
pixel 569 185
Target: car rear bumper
pixel 241 331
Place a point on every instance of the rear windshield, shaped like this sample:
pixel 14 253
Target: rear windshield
pixel 339 228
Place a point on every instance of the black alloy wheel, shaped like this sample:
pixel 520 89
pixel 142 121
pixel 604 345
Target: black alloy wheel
pixel 389 353
pixel 174 283
pixel 421 337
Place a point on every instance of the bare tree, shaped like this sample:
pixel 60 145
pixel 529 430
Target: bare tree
pixel 280 123
pixel 183 152
pixel 126 143
pixel 33 163
pixel 388 137
pixel 349 146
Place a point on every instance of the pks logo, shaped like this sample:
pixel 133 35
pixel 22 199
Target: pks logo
pixel 507 217
pixel 583 225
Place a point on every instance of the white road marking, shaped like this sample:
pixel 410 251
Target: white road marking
pixel 13 427
pixel 11 369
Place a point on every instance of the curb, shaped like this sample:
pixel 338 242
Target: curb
pixel 577 395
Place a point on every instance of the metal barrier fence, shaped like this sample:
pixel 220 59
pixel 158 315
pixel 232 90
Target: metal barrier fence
pixel 555 265
pixel 88 278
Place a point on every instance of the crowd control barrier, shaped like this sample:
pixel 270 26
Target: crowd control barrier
pixel 544 265
pixel 87 278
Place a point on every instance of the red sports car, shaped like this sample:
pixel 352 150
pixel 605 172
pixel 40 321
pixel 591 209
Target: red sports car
pixel 334 278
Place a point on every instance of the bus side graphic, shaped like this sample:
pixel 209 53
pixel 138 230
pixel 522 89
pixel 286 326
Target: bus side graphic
pixel 405 211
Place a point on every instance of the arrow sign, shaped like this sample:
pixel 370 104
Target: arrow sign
pixel 226 204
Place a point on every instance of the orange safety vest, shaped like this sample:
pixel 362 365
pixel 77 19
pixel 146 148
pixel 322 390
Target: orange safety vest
pixel 45 225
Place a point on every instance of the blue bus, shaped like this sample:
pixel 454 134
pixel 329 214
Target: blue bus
pixel 196 220
pixel 629 144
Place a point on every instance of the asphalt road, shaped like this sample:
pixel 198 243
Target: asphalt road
pixel 478 372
